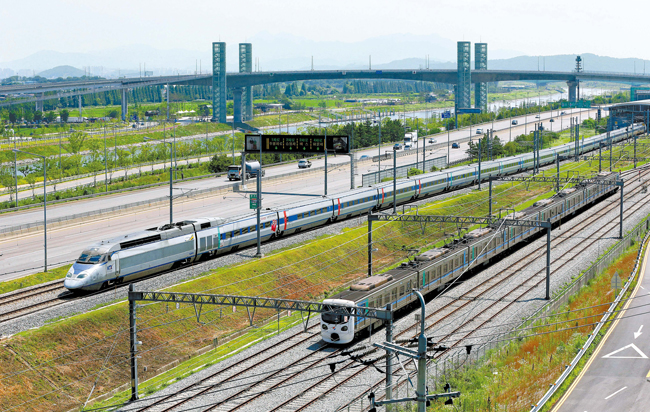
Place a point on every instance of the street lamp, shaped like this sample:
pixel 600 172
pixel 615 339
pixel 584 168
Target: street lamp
pixel 171 173
pixel 44 200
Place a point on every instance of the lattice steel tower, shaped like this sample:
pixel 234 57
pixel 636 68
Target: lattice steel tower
pixel 480 63
pixel 246 66
pixel 219 82
pixel 464 82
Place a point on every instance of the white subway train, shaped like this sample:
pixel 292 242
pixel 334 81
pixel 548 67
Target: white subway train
pixel 435 268
pixel 157 249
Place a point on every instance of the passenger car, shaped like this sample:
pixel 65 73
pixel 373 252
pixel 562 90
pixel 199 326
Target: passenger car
pixel 304 164
pixel 455 146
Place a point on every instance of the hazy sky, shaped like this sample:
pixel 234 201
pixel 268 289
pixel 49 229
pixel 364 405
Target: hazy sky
pixel 548 27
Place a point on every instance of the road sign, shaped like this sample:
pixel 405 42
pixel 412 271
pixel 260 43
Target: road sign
pixel 296 144
pixel 254 201
pixel 468 110
pixel 446 115
pixel 582 104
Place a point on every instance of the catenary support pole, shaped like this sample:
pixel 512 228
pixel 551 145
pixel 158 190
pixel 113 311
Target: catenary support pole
pixel 557 167
pixel 352 160
pixel 369 246
pixel 479 164
pixel 259 208
pixel 620 231
pixel 389 360
pixel 242 175
pixel 548 260
pixel 394 180
pixel 490 196
pixel 421 394
pixel 635 151
pixel 600 157
pixel 133 345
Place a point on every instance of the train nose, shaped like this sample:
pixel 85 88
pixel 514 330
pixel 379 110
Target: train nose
pixel 71 284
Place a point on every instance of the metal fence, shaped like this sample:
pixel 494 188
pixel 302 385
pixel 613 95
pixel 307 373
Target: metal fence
pixel 372 178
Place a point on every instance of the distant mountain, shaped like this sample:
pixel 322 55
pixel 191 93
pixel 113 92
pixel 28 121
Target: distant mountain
pixel 62 71
pixel 289 52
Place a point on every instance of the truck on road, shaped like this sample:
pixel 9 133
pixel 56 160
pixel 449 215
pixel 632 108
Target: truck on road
pixel 411 140
pixel 252 169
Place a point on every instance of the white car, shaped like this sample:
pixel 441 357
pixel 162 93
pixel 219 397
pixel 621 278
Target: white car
pixel 304 164
pixel 432 141
pixel 479 131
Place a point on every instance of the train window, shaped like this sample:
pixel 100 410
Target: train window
pixel 378 301
pixel 335 319
pixel 244 230
pixel 408 285
pixel 394 294
pixel 401 290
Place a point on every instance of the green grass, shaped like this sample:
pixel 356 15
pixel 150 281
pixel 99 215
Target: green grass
pixel 35 279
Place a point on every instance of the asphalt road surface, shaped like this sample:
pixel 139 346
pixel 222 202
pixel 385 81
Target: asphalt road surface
pixel 617 376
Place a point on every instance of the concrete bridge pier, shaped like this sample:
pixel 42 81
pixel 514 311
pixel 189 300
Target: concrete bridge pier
pixel 237 94
pixel 125 106
pixel 573 90
pixel 39 103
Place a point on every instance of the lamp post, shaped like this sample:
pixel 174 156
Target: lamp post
pixel 44 201
pixel 171 174
pixel 13 135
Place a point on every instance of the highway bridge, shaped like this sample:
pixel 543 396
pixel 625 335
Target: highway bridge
pixel 240 81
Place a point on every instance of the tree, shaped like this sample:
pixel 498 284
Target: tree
pixel 50 116
pixel 29 116
pixel 219 163
pixel 65 114
pixel 113 114
pixel 74 146
pixel 94 146
pixel 13 117
pixel 38 116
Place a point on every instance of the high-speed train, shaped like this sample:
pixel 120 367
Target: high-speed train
pixel 157 249
pixel 435 268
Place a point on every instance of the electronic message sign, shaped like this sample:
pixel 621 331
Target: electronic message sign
pixel 296 144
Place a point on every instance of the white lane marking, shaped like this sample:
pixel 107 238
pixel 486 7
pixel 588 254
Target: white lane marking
pixel 641 288
pixel 632 346
pixel 620 390
pixel 638 333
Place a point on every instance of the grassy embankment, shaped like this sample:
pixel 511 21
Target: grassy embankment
pixel 517 375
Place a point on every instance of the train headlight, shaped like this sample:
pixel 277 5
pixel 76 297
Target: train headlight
pixel 324 326
pixel 82 275
pixel 344 328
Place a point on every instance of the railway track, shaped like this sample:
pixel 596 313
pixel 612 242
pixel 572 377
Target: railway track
pixel 528 284
pixel 348 370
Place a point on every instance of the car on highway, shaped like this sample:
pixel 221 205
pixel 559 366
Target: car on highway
pixel 397 146
pixel 432 141
pixel 455 146
pixel 363 157
pixel 479 131
pixel 514 122
pixel 537 117
pixel 552 120
pixel 304 164
pixel 563 113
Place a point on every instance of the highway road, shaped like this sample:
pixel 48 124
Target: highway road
pixel 23 253
pixel 617 376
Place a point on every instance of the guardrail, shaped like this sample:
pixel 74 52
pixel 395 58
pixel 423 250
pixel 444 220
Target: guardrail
pixel 594 269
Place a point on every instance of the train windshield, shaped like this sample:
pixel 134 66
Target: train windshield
pixel 335 319
pixel 91 257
